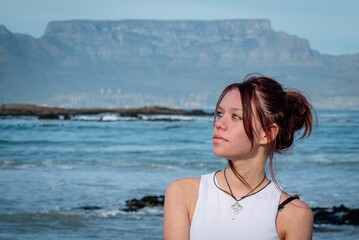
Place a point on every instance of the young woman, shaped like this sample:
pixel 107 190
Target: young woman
pixel 253 120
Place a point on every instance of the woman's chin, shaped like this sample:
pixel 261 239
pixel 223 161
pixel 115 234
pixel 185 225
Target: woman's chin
pixel 220 154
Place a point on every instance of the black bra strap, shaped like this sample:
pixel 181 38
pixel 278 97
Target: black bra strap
pixel 288 200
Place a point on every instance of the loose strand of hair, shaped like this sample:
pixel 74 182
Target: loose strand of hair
pixel 237 174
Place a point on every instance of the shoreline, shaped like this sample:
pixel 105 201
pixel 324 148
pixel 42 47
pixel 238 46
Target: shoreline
pixel 336 215
pixel 45 112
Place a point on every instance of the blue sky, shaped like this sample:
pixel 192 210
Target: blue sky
pixel 329 25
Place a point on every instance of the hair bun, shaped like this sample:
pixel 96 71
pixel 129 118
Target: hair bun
pixel 299 112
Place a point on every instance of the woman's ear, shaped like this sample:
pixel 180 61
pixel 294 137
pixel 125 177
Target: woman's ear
pixel 270 134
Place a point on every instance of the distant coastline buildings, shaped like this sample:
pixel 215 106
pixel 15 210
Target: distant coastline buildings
pixel 115 97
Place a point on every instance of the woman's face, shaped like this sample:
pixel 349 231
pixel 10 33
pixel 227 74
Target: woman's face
pixel 230 140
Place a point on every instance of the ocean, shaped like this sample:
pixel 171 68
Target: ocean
pixel 50 169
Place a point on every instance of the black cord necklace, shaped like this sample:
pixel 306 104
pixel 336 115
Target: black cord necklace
pixel 236 206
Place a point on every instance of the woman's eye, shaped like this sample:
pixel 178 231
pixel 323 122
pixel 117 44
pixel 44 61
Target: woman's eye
pixel 219 114
pixel 236 117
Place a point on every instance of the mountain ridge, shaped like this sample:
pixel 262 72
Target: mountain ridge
pixel 180 63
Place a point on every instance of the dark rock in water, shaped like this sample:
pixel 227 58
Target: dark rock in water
pixel 147 201
pixel 337 215
pixel 164 120
pixel 197 112
pixel 134 205
pixel 88 208
pixel 67 117
pixel 45 112
pixel 49 117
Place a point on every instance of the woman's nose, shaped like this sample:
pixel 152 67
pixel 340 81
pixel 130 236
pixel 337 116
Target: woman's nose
pixel 220 123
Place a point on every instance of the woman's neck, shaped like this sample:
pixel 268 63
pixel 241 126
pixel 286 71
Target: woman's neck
pixel 251 169
pixel 251 175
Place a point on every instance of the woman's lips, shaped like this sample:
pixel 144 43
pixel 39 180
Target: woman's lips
pixel 218 138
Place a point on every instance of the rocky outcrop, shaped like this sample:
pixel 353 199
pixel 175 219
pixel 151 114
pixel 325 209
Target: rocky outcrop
pixel 336 216
pixel 147 201
pixel 54 113
pixel 333 216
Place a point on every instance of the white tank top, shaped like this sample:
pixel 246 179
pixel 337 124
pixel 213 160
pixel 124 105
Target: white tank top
pixel 214 219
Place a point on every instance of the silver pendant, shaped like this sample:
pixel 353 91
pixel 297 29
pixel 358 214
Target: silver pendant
pixel 237 207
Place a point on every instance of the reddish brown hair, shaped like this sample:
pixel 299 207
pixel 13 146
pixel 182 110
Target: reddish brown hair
pixel 290 110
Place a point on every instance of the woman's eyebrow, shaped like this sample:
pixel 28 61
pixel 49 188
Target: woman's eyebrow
pixel 233 108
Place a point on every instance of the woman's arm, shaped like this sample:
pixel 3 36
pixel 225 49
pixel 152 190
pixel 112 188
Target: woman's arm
pixel 180 199
pixel 295 221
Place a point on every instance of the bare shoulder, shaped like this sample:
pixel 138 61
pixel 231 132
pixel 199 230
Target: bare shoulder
pixel 183 187
pixel 180 201
pixel 182 194
pixel 295 221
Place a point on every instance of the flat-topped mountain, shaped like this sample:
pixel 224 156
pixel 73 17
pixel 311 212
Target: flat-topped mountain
pixel 178 63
